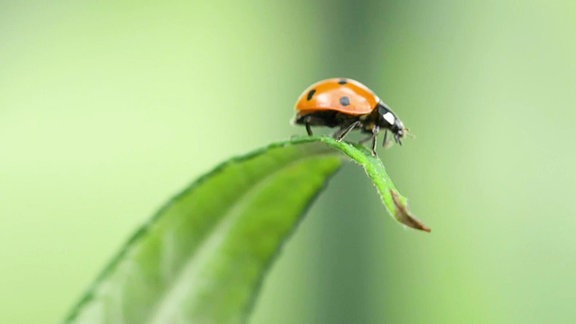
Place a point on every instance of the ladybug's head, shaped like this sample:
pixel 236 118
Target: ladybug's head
pixel 389 121
pixel 399 131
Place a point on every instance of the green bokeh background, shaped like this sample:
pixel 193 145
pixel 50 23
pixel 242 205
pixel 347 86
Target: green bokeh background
pixel 108 108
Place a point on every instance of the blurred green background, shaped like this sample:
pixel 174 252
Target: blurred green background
pixel 108 108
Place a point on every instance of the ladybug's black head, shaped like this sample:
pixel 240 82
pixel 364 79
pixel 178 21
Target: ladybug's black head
pixel 389 121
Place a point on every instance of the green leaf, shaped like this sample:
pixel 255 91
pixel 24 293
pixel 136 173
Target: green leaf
pixel 203 256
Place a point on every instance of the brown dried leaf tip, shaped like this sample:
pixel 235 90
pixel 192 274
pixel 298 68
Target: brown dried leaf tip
pixel 404 216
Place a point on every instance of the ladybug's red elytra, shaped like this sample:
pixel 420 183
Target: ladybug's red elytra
pixel 349 105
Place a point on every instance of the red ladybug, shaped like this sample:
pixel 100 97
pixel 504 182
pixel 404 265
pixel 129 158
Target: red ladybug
pixel 349 105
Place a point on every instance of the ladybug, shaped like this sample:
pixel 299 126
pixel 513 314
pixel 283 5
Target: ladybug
pixel 349 105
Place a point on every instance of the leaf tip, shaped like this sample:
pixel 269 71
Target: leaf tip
pixel 404 216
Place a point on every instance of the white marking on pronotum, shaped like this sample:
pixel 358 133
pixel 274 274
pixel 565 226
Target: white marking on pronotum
pixel 389 117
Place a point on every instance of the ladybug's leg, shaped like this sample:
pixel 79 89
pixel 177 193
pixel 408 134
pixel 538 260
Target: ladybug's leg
pixel 385 141
pixel 375 131
pixel 342 132
pixel 373 134
pixel 308 129
pixel 372 137
pixel 306 121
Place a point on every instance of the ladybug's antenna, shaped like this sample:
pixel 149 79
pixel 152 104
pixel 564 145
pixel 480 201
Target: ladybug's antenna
pixel 409 134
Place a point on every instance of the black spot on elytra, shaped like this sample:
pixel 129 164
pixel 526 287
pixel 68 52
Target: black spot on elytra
pixel 344 101
pixel 310 94
pixel 342 81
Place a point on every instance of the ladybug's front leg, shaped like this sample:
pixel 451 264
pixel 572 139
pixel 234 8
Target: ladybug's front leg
pixel 375 131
